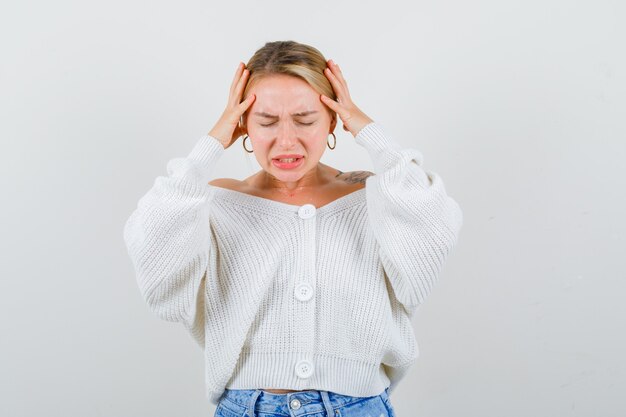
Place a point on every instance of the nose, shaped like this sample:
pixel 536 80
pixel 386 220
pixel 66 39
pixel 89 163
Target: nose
pixel 286 135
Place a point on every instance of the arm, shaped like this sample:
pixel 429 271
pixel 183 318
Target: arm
pixel 414 221
pixel 168 237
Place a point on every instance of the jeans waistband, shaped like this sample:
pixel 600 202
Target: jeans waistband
pixel 268 402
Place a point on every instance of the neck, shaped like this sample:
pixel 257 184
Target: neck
pixel 314 178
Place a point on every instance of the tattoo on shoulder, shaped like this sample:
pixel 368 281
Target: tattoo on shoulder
pixel 355 177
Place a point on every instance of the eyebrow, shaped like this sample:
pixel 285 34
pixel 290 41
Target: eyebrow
pixel 271 116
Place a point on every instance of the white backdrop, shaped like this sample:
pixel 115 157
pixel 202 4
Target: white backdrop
pixel 519 105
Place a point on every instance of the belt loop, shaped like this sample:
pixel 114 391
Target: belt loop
pixel 253 399
pixel 327 404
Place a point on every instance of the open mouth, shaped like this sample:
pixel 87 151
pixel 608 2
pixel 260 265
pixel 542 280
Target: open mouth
pixel 287 163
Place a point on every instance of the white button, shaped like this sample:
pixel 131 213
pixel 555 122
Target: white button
pixel 303 291
pixel 306 211
pixel 295 404
pixel 304 369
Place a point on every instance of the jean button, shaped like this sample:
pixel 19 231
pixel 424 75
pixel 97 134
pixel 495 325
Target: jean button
pixel 295 404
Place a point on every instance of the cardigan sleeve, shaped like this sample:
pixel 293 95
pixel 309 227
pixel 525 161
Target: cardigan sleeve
pixel 415 223
pixel 168 237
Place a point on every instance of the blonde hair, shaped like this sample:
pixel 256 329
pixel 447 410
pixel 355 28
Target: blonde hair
pixel 294 59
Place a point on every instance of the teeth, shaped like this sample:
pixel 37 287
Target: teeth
pixel 288 160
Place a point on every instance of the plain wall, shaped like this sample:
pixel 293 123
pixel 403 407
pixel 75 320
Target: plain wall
pixel 519 105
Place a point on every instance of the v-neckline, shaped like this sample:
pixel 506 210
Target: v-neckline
pixel 256 201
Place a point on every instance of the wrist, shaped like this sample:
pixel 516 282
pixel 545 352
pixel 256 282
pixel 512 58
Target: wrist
pixel 214 136
pixel 357 128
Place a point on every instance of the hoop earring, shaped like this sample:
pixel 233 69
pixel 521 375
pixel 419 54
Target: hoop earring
pixel 244 144
pixel 335 141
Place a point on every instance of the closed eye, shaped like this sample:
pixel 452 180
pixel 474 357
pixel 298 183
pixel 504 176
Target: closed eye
pixel 305 124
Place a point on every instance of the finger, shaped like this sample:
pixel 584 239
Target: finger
pixel 244 105
pixel 237 76
pixel 240 86
pixel 337 71
pixel 336 84
pixel 334 106
pixel 341 91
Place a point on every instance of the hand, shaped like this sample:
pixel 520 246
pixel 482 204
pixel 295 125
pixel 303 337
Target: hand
pixel 227 129
pixel 352 117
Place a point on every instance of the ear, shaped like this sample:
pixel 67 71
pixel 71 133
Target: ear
pixel 333 123
pixel 243 125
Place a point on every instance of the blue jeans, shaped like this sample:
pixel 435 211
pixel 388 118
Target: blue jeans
pixel 311 403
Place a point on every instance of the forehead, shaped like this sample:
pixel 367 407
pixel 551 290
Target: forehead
pixel 280 92
pixel 281 82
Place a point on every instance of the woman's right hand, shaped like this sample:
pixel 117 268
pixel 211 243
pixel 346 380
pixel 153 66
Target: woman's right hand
pixel 227 128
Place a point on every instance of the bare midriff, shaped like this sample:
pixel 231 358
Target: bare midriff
pixel 279 391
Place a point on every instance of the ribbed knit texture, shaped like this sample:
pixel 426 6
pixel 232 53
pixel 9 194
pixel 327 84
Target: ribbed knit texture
pixel 225 264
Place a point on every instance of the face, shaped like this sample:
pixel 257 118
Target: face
pixel 287 117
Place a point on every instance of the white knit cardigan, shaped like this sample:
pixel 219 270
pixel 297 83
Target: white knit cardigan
pixel 295 296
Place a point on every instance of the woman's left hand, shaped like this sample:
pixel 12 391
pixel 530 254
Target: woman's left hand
pixel 352 117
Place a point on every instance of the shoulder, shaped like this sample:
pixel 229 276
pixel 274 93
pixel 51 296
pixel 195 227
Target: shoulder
pixel 230 183
pixel 354 177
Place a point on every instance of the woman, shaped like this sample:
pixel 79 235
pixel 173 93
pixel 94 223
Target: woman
pixel 299 281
